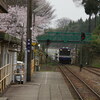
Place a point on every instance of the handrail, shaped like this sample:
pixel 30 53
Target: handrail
pixel 4 66
pixel 5 77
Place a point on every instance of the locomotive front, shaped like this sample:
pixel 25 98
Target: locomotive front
pixel 65 55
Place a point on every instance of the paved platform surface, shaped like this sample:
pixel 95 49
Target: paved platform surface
pixel 44 86
pixel 3 98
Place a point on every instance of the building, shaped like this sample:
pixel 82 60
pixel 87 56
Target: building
pixel 3 6
pixel 8 59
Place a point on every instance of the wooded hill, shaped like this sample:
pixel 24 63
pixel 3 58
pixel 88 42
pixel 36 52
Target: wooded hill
pixel 77 26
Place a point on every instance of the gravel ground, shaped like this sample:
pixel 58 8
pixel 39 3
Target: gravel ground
pixel 49 67
pixel 92 79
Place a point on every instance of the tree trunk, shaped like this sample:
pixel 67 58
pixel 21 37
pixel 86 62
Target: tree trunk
pixel 89 24
pixel 95 20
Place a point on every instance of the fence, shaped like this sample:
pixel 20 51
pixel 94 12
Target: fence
pixel 5 77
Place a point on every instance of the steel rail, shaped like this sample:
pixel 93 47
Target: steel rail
pixel 92 71
pixel 85 83
pixel 96 69
pixel 79 95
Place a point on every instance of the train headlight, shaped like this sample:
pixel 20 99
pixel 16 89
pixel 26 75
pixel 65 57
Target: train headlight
pixel 60 49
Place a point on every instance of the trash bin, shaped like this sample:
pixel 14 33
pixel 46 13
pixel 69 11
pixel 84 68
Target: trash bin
pixel 37 68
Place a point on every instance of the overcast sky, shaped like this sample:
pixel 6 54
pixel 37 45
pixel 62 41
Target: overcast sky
pixel 66 8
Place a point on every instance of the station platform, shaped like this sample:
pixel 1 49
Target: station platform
pixel 44 86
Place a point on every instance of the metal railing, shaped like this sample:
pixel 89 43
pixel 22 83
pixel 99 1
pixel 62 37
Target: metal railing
pixel 5 77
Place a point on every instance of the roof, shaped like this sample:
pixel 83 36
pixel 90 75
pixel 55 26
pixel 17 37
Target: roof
pixel 3 7
pixel 64 37
pixel 8 38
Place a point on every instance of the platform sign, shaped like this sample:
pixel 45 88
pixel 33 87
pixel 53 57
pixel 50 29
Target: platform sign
pixel 34 43
pixel 28 45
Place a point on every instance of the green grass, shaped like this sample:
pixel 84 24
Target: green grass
pixel 96 62
pixel 50 66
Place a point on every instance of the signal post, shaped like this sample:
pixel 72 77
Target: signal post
pixel 81 50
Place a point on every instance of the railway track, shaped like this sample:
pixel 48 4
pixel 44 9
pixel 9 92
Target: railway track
pixel 94 71
pixel 83 91
pixel 95 67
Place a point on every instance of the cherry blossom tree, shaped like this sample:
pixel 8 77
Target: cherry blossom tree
pixel 12 23
pixel 43 14
pixel 63 22
pixel 15 21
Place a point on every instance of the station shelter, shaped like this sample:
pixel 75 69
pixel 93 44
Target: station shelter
pixel 3 6
pixel 8 59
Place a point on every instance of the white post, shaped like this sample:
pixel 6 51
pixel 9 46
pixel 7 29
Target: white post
pixel 25 66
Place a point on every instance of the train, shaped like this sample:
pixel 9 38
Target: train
pixel 65 55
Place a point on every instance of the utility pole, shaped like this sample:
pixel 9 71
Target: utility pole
pixel 28 38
